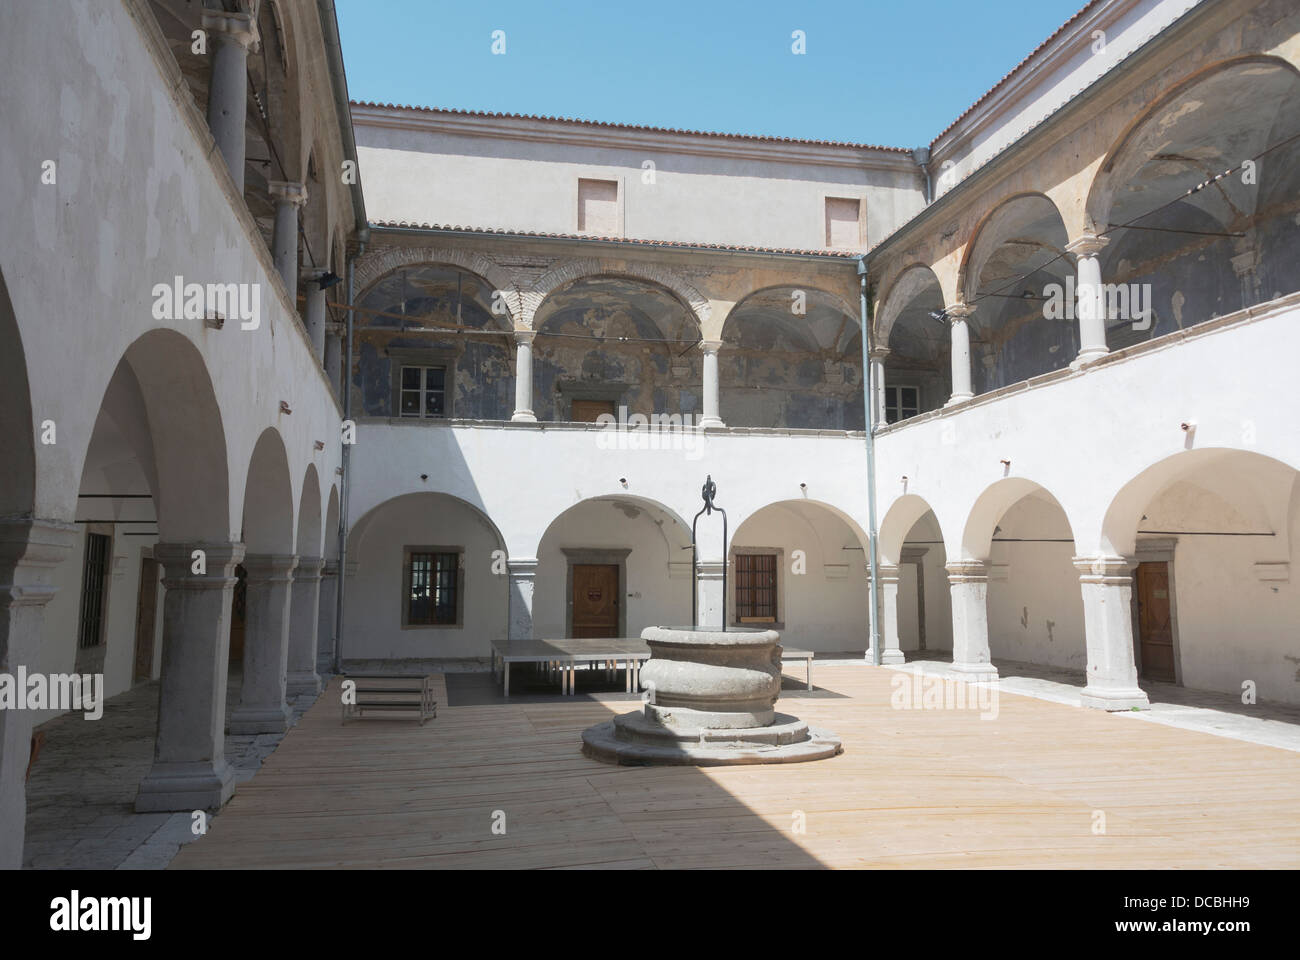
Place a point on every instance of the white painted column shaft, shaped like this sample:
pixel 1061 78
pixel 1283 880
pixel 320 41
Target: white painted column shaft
pixel 304 616
pixel 314 315
pixel 289 196
pixel 968 580
pixel 960 333
pixel 1092 297
pixel 1106 583
pixel 711 407
pixel 524 377
pixel 229 36
pixel 189 769
pixel 262 706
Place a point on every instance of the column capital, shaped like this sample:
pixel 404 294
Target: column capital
pixel 1108 570
pixel 522 568
pixel 270 567
pixel 524 337
pixel 879 354
pixel 336 328
pixel 710 346
pixel 330 568
pixel 959 311
pixel 238 27
pixel 967 571
pixel 178 560
pixel 34 543
pixel 1088 245
pixel 309 568
pixel 288 191
pixel 311 274
pixel 888 573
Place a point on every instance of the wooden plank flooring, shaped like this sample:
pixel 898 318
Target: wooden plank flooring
pixel 914 788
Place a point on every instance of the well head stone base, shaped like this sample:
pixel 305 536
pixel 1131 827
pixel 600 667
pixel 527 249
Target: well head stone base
pixel 632 740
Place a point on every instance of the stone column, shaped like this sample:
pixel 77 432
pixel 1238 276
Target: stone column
pixel 30 550
pixel 189 763
pixel 329 595
pixel 524 377
pixel 289 196
pixel 334 333
pixel 523 577
pixel 304 619
pixel 710 601
pixel 709 402
pixel 1107 586
pixel 262 707
pixel 958 314
pixel 231 35
pixel 889 647
pixel 1092 298
pixel 969 583
pixel 878 357
pixel 314 315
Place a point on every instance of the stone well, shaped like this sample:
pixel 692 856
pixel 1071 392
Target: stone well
pixel 711 701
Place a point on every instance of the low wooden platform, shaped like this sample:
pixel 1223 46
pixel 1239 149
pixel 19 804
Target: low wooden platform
pixel 913 788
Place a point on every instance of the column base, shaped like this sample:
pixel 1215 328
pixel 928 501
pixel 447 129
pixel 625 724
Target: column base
pixel 1114 698
pixel 185 786
pixel 888 657
pixel 957 398
pixel 709 423
pixel 298 684
pixel 324 665
pixel 975 672
pixel 523 416
pixel 1086 357
pixel 251 721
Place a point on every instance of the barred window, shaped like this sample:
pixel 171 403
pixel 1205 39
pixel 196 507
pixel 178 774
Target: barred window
pixel 432 588
pixel 756 587
pixel 94 579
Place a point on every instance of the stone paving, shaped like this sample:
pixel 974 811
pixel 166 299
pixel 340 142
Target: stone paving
pixel 81 795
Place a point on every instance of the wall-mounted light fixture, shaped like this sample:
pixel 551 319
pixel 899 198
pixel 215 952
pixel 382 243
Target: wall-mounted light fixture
pixel 284 407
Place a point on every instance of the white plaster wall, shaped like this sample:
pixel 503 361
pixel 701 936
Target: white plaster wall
pixel 432 173
pixel 1035 603
pixel 138 200
pixel 373 610
pixel 654 594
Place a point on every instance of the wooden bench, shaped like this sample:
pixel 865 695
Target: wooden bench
pixel 389 693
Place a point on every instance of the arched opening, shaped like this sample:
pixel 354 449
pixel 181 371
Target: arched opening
pixel 791 357
pixel 918 366
pixel 153 479
pixel 605 342
pixel 427 584
pixel 797 566
pixel 18 465
pixel 912 551
pixel 1216 599
pixel 433 342
pixel 610 567
pixel 1035 607
pixel 1014 266
pixel 269 563
pixel 304 614
pixel 1196 255
pixel 327 620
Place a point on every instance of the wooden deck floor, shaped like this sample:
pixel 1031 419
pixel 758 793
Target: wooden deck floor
pixel 914 788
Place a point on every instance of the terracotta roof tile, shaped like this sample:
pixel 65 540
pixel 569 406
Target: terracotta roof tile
pixel 627 126
pixel 1010 73
pixel 501 231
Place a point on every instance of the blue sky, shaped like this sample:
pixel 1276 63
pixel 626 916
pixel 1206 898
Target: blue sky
pixel 892 73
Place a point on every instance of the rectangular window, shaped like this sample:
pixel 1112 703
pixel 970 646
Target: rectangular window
pixel 94 580
pixel 423 392
pixel 901 403
pixel 843 223
pixel 598 207
pixel 756 587
pixel 432 588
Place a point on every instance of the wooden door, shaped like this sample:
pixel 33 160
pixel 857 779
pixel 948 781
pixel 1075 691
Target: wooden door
pixel 595 600
pixel 146 618
pixel 589 411
pixel 1155 623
